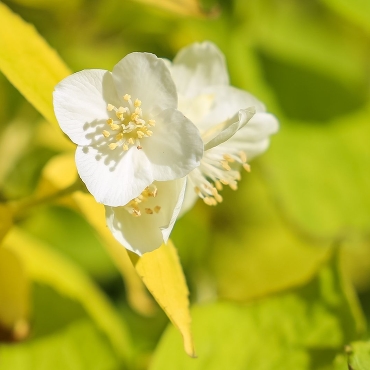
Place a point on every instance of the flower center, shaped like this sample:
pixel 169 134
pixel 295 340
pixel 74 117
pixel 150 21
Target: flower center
pixel 127 127
pixel 216 170
pixel 135 207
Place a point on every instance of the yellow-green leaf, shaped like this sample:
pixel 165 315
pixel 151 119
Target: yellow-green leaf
pixel 47 266
pixel 14 294
pixel 29 63
pixel 60 173
pixel 162 273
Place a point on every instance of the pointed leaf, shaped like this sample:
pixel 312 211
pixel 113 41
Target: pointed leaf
pixel 29 63
pixel 162 273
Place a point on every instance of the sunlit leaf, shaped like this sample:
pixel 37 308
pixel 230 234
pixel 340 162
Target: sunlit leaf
pixel 79 346
pixel 60 173
pixel 162 273
pixel 47 266
pixel 30 64
pixel 94 213
pixel 302 330
pixel 14 295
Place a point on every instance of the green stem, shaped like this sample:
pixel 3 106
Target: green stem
pixel 20 207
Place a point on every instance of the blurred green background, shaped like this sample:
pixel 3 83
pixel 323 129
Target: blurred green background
pixel 279 273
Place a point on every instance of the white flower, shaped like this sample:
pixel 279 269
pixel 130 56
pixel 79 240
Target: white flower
pixel 147 221
pixel 127 127
pixel 234 125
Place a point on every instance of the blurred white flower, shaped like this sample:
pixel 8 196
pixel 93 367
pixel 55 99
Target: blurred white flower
pixel 127 127
pixel 146 222
pixel 234 125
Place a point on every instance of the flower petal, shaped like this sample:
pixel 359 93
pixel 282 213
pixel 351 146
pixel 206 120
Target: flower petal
pixel 147 232
pixel 227 102
pixel 113 177
pixel 175 148
pixel 198 66
pixel 80 103
pixel 230 129
pixel 146 77
pixel 253 138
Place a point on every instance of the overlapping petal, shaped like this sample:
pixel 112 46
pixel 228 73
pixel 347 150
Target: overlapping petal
pixel 232 122
pixel 80 103
pixel 148 231
pixel 127 128
pixel 146 77
pixel 198 66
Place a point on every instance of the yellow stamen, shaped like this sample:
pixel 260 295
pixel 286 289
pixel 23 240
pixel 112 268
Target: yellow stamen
pixel 157 209
pixel 247 167
pixel 112 146
pixel 106 133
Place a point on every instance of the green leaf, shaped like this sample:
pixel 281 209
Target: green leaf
pixel 357 11
pixel 53 225
pixel 254 251
pixel 303 34
pixel 301 330
pixel 46 266
pixel 29 63
pixel 325 187
pixel 78 346
pixel 357 357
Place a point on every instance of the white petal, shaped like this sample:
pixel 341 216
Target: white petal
pixel 227 102
pixel 175 148
pixel 113 177
pixel 231 128
pixel 146 77
pixel 253 138
pixel 147 232
pixel 198 66
pixel 80 103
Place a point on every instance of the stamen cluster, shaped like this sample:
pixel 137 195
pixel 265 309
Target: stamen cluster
pixel 215 171
pixel 133 207
pixel 129 127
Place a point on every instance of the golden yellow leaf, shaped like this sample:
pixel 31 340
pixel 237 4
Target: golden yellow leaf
pixel 14 295
pixel 60 172
pixel 29 63
pixel 162 273
pixel 181 7
pixel 95 215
